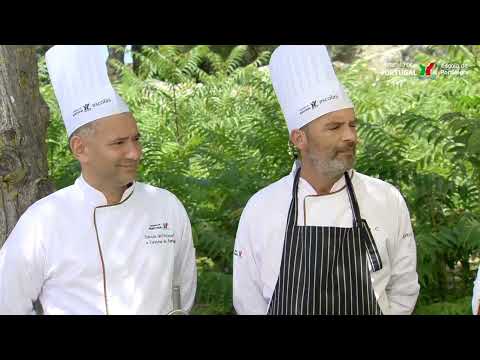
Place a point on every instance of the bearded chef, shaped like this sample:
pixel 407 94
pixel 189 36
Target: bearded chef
pixel 324 239
pixel 106 244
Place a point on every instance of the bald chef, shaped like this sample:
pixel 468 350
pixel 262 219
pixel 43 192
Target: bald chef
pixel 324 239
pixel 106 244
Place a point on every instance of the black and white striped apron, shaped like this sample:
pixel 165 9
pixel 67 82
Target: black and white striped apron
pixel 324 269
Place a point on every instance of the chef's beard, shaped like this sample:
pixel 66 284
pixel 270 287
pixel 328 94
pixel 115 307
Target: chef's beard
pixel 332 164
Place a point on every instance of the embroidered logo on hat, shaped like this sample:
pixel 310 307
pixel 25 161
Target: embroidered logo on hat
pixel 315 103
pixel 87 107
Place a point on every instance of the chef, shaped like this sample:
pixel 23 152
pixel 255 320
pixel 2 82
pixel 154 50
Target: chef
pixel 324 239
pixel 476 295
pixel 106 244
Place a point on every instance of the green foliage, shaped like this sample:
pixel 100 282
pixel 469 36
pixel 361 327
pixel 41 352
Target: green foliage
pixel 461 306
pixel 423 136
pixel 213 134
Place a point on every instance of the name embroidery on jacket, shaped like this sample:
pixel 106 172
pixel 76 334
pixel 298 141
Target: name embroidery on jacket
pixel 159 234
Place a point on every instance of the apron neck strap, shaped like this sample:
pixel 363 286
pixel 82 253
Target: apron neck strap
pixel 353 200
pixel 294 204
pixel 351 195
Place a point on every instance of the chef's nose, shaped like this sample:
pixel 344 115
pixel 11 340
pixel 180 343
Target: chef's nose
pixel 350 134
pixel 134 151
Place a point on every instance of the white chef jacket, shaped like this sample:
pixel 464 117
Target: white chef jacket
pixel 53 254
pixel 261 234
pixel 476 294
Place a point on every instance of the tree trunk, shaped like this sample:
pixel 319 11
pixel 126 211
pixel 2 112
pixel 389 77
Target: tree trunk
pixel 136 62
pixel 23 125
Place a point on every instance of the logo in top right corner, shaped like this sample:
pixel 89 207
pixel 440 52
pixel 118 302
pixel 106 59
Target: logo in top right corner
pixel 432 70
pixel 427 72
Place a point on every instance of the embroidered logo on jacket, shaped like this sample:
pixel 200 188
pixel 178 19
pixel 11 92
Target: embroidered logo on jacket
pixel 238 253
pixel 159 234
pixel 158 226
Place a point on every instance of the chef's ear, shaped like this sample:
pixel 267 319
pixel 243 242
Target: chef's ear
pixel 77 146
pixel 298 138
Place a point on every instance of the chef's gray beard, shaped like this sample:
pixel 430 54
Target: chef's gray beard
pixel 333 168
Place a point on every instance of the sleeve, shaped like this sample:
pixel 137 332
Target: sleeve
pixel 247 289
pixel 476 295
pixel 185 263
pixel 22 260
pixel 403 287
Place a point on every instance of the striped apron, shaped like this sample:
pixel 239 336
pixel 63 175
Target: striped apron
pixel 324 269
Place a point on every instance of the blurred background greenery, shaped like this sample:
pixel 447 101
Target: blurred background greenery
pixel 213 134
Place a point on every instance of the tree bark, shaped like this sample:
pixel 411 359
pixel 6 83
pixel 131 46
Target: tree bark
pixel 24 119
pixel 136 63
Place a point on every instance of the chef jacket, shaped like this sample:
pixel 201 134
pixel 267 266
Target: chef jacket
pixel 260 239
pixel 78 255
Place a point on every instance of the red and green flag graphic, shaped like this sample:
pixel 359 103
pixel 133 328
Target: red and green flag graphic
pixel 426 71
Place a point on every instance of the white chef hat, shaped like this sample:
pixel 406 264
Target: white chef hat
pixel 80 81
pixel 305 83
